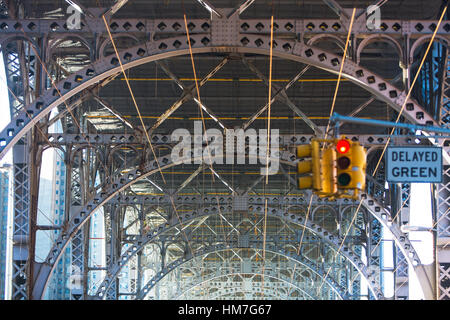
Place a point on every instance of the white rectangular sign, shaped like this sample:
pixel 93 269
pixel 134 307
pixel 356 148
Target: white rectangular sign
pixel 414 164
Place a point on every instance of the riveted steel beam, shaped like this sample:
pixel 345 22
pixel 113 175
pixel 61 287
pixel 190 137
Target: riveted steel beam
pixel 56 27
pixel 286 140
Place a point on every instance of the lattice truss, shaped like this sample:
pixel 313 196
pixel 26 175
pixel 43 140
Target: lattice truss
pixel 199 231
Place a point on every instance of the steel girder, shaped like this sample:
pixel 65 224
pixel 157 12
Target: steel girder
pixel 165 48
pixel 279 291
pixel 251 244
pixel 288 271
pixel 247 201
pixel 308 27
pixel 85 140
pixel 142 241
pixel 22 221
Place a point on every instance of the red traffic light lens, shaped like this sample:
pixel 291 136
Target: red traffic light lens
pixel 343 146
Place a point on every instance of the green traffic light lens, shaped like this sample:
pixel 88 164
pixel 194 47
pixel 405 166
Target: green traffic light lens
pixel 343 163
pixel 344 179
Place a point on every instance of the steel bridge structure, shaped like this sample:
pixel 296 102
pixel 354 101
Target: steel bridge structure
pixel 121 82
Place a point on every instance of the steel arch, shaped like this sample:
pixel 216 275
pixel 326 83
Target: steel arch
pixel 105 43
pixel 270 293
pixel 166 48
pixel 379 213
pixel 114 186
pixel 138 55
pixel 269 273
pixel 235 245
pixel 141 242
pixel 326 36
pixel 329 238
pixel 379 38
pixel 422 40
pixel 4 42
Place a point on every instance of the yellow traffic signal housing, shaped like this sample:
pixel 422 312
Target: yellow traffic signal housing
pixel 334 171
pixel 328 168
pixel 309 169
pixel 351 166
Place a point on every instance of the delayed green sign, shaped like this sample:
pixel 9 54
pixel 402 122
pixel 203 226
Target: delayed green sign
pixel 414 164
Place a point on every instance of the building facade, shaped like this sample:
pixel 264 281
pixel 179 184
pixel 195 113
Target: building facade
pixel 5 230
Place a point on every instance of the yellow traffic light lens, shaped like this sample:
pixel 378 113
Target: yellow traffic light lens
pixel 343 146
pixel 343 163
pixel 344 179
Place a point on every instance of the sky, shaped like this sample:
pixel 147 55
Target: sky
pixel 47 171
pixel 422 241
pixel 4 106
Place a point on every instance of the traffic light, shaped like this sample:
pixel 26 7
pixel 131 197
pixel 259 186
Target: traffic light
pixel 343 162
pixel 351 166
pixel 309 169
pixel 336 170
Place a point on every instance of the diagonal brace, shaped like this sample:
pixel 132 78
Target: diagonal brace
pixel 190 178
pixel 187 93
pixel 282 96
pixel 240 9
pixel 208 6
